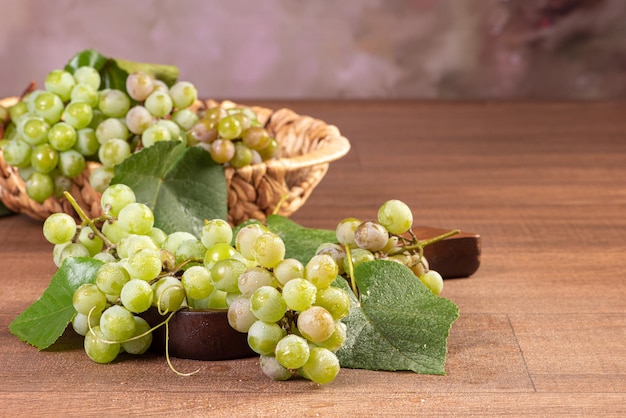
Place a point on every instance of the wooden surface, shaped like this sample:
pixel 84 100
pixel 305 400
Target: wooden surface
pixel 542 329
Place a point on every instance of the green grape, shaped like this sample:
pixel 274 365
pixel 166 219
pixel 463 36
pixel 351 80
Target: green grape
pixel 74 250
pixel 100 178
pixel 214 114
pixel 268 250
pixel 183 94
pixel 21 108
pixel 105 257
pixel 34 130
pixel 371 236
pixel 59 228
pixel 113 103
pixel 433 281
pixel 138 119
pixel 229 128
pixel 116 197
pixel 62 136
pixel 345 231
pixel 169 294
pixel 270 151
pixel 253 278
pixel 17 153
pixel 144 264
pixel 57 250
pixel 172 127
pixel 217 252
pixel 82 92
pixel 71 163
pixel 321 270
pixel 159 103
pixel 216 231
pixel 159 85
pixel 88 238
pixel 136 218
pixel 222 150
pixel 39 187
pixel 88 298
pixel 240 316
pixel 358 256
pixel 134 243
pixel 137 295
pixel 111 128
pixel 139 85
pixel 141 344
pixel 292 351
pixel 337 339
pixel 117 323
pixel 242 156
pixel 203 131
pixel 113 231
pixel 185 118
pixel 263 336
pixel 61 83
pixel 78 114
pixel 272 369
pixel 299 294
pixel 89 76
pixel 173 240
pixel 81 322
pixel 155 133
pixel 225 274
pixel 334 300
pixel 111 278
pixel 316 324
pixel 48 106
pixel 61 184
pixel 113 152
pixel 267 304
pixel 87 142
pixel 256 138
pixel 288 269
pixel 246 236
pixel 44 158
pixel 322 366
pixel 99 350
pixel 190 250
pixel 336 251
pixel 196 281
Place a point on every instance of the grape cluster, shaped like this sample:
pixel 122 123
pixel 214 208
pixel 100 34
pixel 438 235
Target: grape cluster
pixel 290 311
pixel 389 237
pixel 234 136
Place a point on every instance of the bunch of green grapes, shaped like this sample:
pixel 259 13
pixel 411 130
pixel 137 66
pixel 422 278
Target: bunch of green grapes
pixel 389 237
pixel 234 136
pixel 290 311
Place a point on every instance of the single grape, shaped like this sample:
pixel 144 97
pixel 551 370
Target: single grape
pixel 358 256
pixel 345 231
pixel 71 163
pixel 256 138
pixel 159 103
pixel 113 231
pixel 17 153
pixel 335 300
pixel 173 240
pixel 116 197
pixel 183 94
pixel 229 128
pixel 246 236
pixel 169 294
pixel 81 322
pixel 222 150
pixel 34 130
pixel 39 187
pixel 242 156
pixel 78 114
pixel 240 316
pixel 225 274
pixel 113 152
pixel 111 128
pixel 139 345
pixel 288 269
pixel 137 295
pixel 139 85
pixel 196 281
pixel 292 351
pixel 190 250
pixel 83 92
pixel 88 298
pixel 144 264
pixel 138 119
pixel 111 278
pixel 61 83
pixel 97 349
pixel 396 216
pixel 268 250
pixel 87 142
pixel 267 304
pixel 133 243
pixel 216 231
pixel 253 278
pixel 433 281
pixel 44 158
pixel 272 369
pixel 185 118
pixel 322 366
pixel 263 336
pixel 217 252
pixel 155 133
pixel 117 323
pixel 316 324
pixel 61 184
pixel 321 270
pixel 336 251
pixel 136 218
pixel 62 136
pixel 59 228
pixel 89 76
pixel 371 236
pixel 101 177
pixel 114 103
pixel 299 294
pixel 270 151
pixel 88 238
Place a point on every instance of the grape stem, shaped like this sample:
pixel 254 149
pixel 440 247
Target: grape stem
pixel 420 244
pixel 86 219
pixel 355 289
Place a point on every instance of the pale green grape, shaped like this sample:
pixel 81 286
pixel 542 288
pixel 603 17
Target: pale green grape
pixel 138 119
pixel 299 294
pixel 48 106
pixel 246 236
pixel 316 324
pixel 116 197
pixel 111 128
pixel 396 216
pixel 358 256
pixel 88 238
pixel 292 351
pixel 113 103
pixel 87 142
pixel 78 114
pixel 196 281
pixel 272 369
pixel 17 153
pixel 62 136
pixel 39 186
pixel 155 133
pixel 217 252
pixel 270 151
pixel 336 251
pixel 337 339
pixel 141 344
pixel 322 366
pixel 144 264
pixel 225 274
pixel 88 75
pixel 89 298
pixel 335 300
pixel 117 323
pixel 371 236
pixel 61 183
pixel 99 350
pixel 59 228
pixel 173 240
pixel 242 156
pixel 82 92
pixel 158 236
pixel 263 336
pixel 71 163
pixel 216 231
pixel 44 158
pixel 253 278
pixel 229 128
pixel 134 243
pixel 61 83
pixel 82 322
pixel 240 316
pixel 159 103
pixel 113 152
pixel 111 278
pixel 256 138
pixel 113 231
pixel 136 218
pixel 433 281
pixel 139 85
pixel 321 270
pixel 268 250
pixel 185 118
pixel 288 269
pixel 267 304
pixel 105 257
pixel 34 130
pixel 169 294
pixel 137 295
pixel 345 231
pixel 183 94
pixel 222 150
pixel 100 178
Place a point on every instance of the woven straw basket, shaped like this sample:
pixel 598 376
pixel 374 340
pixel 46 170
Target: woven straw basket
pixel 307 147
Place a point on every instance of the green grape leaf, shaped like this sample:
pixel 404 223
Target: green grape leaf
pixel 398 324
pixel 300 242
pixel 113 72
pixel 182 185
pixel 43 322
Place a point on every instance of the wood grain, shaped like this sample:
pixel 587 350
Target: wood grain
pixel 541 332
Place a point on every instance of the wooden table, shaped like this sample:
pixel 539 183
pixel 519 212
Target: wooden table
pixel 542 329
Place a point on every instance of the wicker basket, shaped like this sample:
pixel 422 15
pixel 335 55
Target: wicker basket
pixel 307 147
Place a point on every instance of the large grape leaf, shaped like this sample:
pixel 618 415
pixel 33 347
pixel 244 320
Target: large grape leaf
pixel 43 322
pixel 398 324
pixel 300 242
pixel 182 185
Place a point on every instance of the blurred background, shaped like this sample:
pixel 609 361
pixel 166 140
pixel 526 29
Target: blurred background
pixel 298 49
